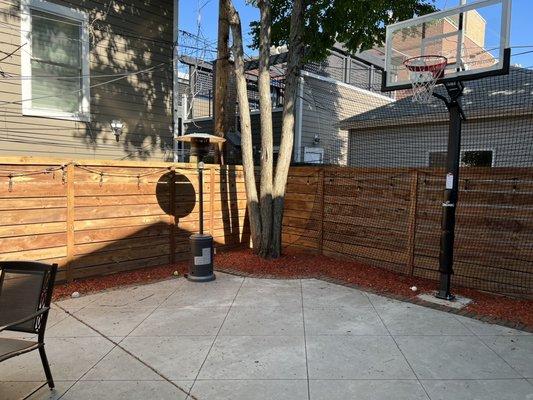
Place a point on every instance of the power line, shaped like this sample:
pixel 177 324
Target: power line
pixel 82 89
pixel 524 52
pixel 13 52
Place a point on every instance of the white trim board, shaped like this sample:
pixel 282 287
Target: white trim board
pixel 25 38
pixel 347 86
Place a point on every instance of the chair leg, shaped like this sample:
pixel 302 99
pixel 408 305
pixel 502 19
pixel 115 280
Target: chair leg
pixel 46 367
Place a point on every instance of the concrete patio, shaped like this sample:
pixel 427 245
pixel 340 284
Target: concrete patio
pixel 241 338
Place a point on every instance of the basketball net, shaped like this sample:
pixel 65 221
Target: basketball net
pixel 424 72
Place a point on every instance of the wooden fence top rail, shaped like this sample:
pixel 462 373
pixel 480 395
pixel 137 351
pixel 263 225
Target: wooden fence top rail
pixel 107 163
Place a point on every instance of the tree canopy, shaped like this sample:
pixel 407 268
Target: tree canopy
pixel 357 24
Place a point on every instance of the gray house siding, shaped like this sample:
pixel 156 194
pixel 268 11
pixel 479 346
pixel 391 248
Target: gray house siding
pixel 326 101
pixel 325 104
pixel 134 36
pixel 410 145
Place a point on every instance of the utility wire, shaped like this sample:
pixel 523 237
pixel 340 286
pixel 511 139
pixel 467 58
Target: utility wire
pixel 79 90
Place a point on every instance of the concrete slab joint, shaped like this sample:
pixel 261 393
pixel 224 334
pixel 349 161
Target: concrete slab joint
pixel 261 339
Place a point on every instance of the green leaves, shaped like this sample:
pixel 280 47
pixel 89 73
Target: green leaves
pixel 357 24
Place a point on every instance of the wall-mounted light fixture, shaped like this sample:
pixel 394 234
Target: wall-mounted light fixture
pixel 116 127
pixel 316 139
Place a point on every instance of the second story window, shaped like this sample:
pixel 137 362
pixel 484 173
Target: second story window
pixel 55 61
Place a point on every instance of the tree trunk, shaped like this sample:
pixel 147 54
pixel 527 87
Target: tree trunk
pixel 246 128
pixel 265 107
pixel 294 65
pixel 222 73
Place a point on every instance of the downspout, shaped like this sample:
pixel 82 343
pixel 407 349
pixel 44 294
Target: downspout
pixel 297 153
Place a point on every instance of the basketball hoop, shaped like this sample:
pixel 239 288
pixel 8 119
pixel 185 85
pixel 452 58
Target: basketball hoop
pixel 424 72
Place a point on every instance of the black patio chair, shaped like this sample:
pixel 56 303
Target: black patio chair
pixel 25 295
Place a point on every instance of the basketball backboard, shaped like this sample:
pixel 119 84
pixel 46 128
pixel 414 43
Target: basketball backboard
pixel 473 37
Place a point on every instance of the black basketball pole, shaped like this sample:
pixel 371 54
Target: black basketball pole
pixel 451 190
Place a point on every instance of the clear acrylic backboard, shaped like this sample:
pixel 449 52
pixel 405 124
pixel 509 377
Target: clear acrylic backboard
pixel 474 38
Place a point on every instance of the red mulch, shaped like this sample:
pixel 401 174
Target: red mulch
pixel 138 276
pixel 303 264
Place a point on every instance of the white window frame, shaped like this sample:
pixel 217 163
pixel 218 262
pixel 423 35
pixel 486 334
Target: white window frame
pixel 26 53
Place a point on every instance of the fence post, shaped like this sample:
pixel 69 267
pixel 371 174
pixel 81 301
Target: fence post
pixel 321 179
pixel 172 222
pixel 411 225
pixel 70 222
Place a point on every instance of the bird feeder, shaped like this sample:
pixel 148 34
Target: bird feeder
pixel 201 265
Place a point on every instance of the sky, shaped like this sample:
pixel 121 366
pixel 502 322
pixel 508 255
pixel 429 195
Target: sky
pixel 521 24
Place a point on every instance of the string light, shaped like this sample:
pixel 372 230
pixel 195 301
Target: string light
pixel 12 175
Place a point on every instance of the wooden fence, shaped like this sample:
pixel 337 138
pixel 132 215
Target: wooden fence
pixel 391 218
pixel 99 217
pixel 96 218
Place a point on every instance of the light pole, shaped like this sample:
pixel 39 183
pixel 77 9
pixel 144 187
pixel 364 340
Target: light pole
pixel 201 266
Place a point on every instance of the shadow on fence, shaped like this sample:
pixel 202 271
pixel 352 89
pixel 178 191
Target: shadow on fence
pixel 107 217
pixel 97 218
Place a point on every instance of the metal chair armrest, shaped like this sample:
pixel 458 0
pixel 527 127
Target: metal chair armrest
pixel 20 321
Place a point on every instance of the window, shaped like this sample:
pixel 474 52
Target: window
pixel 55 60
pixel 476 158
pixel 469 158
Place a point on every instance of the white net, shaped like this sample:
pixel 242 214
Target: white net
pixel 424 72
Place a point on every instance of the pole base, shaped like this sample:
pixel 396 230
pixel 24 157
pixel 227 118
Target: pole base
pixel 207 278
pixel 201 264
pixel 445 296
pixel 444 291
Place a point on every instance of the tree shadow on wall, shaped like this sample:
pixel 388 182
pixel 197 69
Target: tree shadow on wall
pixel 131 75
pixel 132 38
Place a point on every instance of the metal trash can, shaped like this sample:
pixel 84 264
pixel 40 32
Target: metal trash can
pixel 201 265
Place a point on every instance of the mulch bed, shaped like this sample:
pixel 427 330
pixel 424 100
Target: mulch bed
pixel 135 277
pixel 509 311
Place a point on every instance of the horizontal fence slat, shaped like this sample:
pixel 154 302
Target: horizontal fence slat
pixel 364 214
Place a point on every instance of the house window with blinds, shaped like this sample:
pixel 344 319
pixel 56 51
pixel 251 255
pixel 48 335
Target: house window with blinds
pixel 55 61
